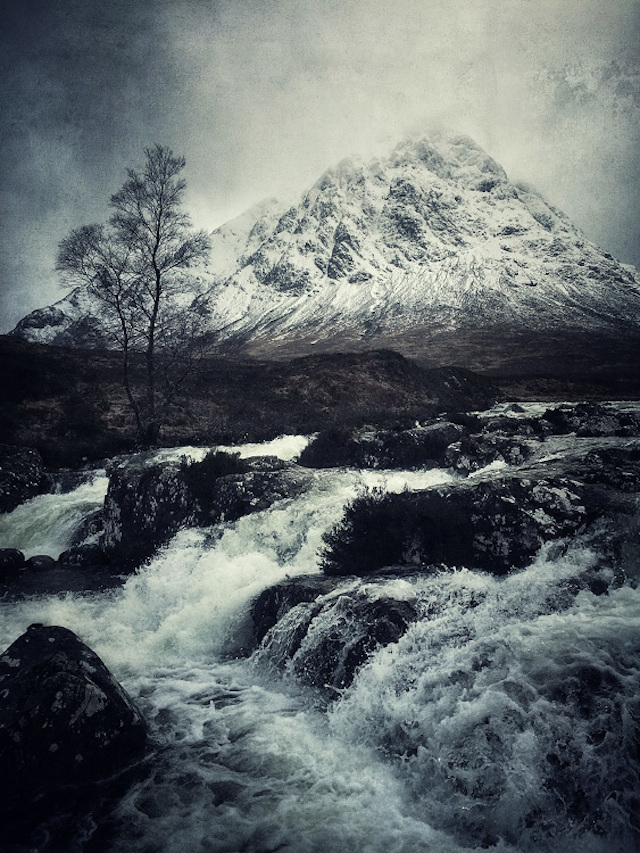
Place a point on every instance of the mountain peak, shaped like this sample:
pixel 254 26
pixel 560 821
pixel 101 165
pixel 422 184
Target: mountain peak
pixel 432 238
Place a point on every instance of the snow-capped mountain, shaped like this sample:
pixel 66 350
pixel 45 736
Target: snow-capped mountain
pixel 433 239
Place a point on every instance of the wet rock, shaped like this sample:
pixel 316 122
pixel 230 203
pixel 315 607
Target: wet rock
pixel 477 451
pixel 423 446
pixel 272 604
pixel 503 425
pixel 324 640
pixel 514 440
pixel 64 719
pixel 495 525
pixel 331 659
pixel 11 561
pixel 83 557
pixel 332 448
pixel 41 563
pixel 584 419
pixel 91 526
pixel 615 467
pixel 22 476
pixel 594 420
pixel 146 504
pixel 144 507
pixel 420 447
pixel 588 420
pixel 236 495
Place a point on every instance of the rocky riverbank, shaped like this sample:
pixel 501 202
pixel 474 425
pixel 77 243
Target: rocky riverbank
pixel 523 478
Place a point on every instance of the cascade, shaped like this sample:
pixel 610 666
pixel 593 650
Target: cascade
pixel 502 718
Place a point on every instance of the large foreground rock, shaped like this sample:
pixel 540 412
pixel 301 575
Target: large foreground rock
pixel 64 719
pixel 323 636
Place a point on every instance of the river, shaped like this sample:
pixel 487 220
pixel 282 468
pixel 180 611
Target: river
pixel 506 717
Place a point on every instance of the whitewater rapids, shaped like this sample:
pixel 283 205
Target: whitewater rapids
pixel 445 740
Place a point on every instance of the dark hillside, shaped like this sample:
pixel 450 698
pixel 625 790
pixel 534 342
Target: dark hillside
pixel 70 405
pixel 600 364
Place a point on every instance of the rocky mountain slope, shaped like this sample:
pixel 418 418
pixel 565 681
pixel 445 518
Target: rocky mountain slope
pixel 401 251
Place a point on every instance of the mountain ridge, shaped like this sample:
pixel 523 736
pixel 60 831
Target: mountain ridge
pixel 432 240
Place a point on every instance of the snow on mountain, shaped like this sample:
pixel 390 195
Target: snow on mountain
pixel 434 236
pixel 238 239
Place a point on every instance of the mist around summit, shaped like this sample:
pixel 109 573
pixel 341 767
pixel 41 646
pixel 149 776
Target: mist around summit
pixel 398 251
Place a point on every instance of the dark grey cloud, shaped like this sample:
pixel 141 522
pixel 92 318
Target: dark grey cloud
pixel 262 95
pixel 85 86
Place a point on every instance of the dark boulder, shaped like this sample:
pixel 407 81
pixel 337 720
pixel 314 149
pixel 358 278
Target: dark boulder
pixel 22 476
pixel 41 563
pixel 235 495
pixel 615 467
pixel 421 447
pixel 324 639
pixel 495 525
pixel 272 604
pixel 584 419
pixel 505 425
pixel 514 440
pixel 64 719
pixel 83 557
pixel 594 420
pixel 557 421
pixel 477 451
pixel 11 561
pixel 332 448
pixel 147 503
pixel 225 487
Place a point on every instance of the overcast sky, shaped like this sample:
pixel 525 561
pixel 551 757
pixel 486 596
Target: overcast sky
pixel 262 95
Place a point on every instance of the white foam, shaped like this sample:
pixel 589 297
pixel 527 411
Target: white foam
pixel 285 447
pixel 46 524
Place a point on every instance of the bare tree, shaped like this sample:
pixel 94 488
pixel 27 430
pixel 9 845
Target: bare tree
pixel 135 266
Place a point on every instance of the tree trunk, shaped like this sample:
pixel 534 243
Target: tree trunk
pixel 150 434
pixel 151 354
pixel 126 379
